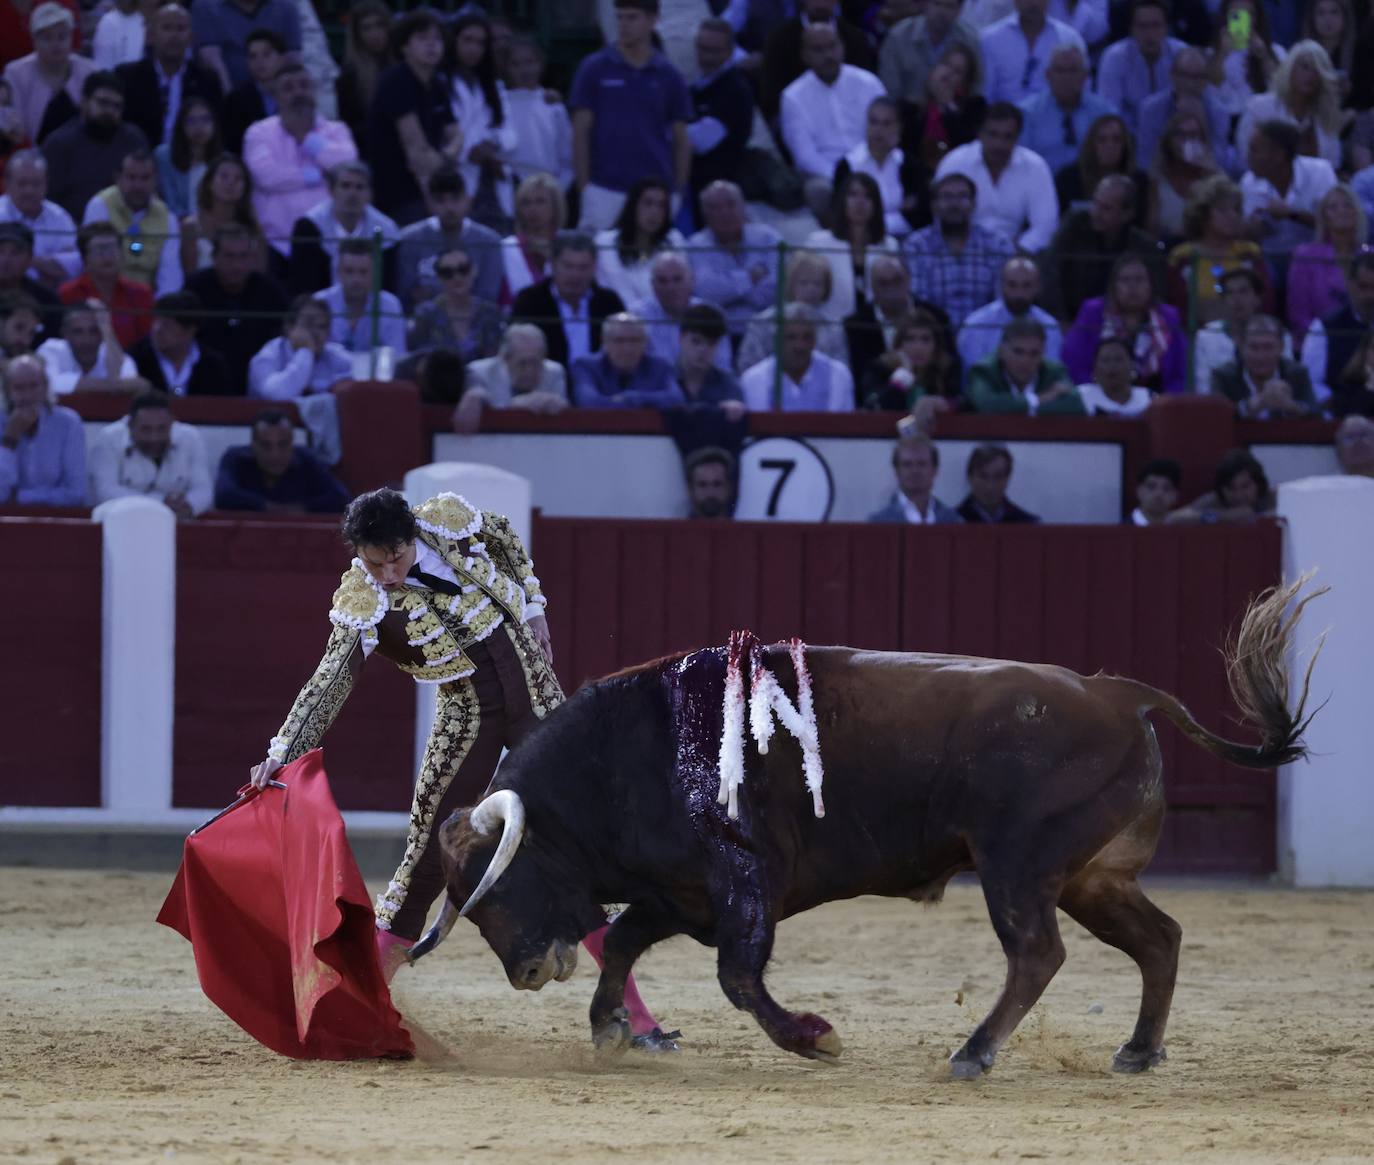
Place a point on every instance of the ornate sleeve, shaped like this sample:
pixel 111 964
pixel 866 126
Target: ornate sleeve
pixel 321 698
pixel 502 539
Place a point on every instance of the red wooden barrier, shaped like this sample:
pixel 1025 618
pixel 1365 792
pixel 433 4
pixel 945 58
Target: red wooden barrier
pixel 50 686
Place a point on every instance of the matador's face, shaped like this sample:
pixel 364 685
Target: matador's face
pixel 388 564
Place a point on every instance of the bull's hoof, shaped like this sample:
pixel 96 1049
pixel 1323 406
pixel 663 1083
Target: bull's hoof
pixel 828 1048
pixel 614 1036
pixel 963 1066
pixel 1132 1060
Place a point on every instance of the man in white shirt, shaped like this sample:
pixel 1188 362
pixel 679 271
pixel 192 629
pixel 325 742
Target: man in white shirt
pixel 880 157
pixel 88 357
pixel 55 257
pixel 811 381
pixel 824 111
pixel 119 35
pixel 147 454
pixel 1020 287
pixel 916 461
pixel 1016 195
pixel 1281 190
pixel 1016 51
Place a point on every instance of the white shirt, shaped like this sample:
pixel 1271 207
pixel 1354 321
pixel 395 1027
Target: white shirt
pixel 64 372
pixel 119 470
pixel 633 282
pixel 1097 402
pixel 54 234
pixel 1021 205
pixel 827 381
pixel 178 376
pixel 912 513
pixel 821 123
pixel 577 326
pixel 1314 353
pixel 169 272
pixel 279 372
pixel 1312 178
pixel 543 134
pixel 843 292
pixel 474 120
pixel 430 562
pixel 118 39
pixel 888 176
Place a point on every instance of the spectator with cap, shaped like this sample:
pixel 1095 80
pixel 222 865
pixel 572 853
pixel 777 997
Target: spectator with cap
pixel 1331 340
pixel 989 473
pixel 700 376
pixel 85 152
pixel 1156 491
pixel 42 446
pixel 630 110
pixel 1261 383
pixel 722 107
pixel 25 201
pixel 88 356
pixel 569 307
pixel 1355 446
pixel 913 45
pixel 243 307
pixel 710 476
pixel 16 260
pixel 1020 287
pixel 152 252
pixel 448 228
pixel 734 260
pixel 915 462
pixel 302 361
pixel 149 455
pixel 220 30
pixel 169 358
pixel 46 85
pixel 802 379
pixel 955 263
pixel 518 377
pixel 1134 69
pixel 356 302
pixel 1016 196
pixel 623 374
pixel 1017 50
pixel 130 303
pixel 272 474
pixel 1058 117
pixel 1018 378
pixel 157 84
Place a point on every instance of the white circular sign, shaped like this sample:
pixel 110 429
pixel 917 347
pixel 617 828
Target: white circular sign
pixel 783 479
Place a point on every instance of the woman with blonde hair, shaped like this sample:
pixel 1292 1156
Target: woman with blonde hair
pixel 808 280
pixel 1316 274
pixel 540 211
pixel 1306 92
pixel 1214 224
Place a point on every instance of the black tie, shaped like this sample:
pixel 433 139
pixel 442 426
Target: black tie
pixel 1070 131
pixel 433 581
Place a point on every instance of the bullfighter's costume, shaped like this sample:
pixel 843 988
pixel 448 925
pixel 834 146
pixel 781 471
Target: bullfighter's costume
pixel 460 624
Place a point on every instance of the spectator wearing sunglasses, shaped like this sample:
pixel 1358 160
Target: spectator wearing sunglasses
pixel 1059 116
pixel 456 319
pixel 152 236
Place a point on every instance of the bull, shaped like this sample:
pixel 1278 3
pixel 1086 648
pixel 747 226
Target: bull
pixel 1044 782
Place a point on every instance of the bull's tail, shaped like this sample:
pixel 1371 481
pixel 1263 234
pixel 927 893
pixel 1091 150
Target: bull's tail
pixel 1257 671
pixel 448 916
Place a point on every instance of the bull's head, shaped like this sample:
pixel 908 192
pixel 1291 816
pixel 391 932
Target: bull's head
pixel 523 902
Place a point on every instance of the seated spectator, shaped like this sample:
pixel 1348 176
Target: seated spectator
pixel 723 109
pixel 518 377
pixel 302 361
pixel 289 154
pixel 273 474
pixel 12 136
pixel 1113 391
pixel 347 213
pixel 165 76
pixel 1316 275
pixel 16 259
pixel 169 358
pixel 119 34
pixel 1017 378
pixel 1062 115
pixel 87 150
pixel 1184 161
pixel 947 114
pixel 734 260
pixel 913 46
pixel 19 324
pixel 540 211
pixel 1106 151
pixel 183 159
pixel 1090 241
pixel 569 307
pixel 989 474
pixel 1017 50
pixel 1133 70
pixel 543 130
pixel 484 123
pixel 42 446
pixel 623 374
pixel 1016 197
pixel 255 99
pixel 1304 92
pixel 1188 86
pixel 807 380
pixel 147 454
pixel 1240 493
pixel 900 183
pixel 916 461
pixel 823 112
pixel 698 369
pixel 870 331
pixel 223 197
pixel 1281 189
pixel 808 281
pixel 46 84
pixel 955 264
pixel 1355 445
pixel 1237 70
pixel 446 229
pixel 644 229
pixel 1331 340
pixel 363 319
pixel 243 307
pixel 455 318
pixel 919 365
pixel 1156 491
pixel 1131 311
pixel 367 54
pixel 671 282
pixel 25 201
pixel 1214 224
pixel 220 32
pixel 1262 383
pixel 1020 287
pixel 783 44
pixel 88 357
pixel 710 473
pixel 1242 297
pixel 854 236
pixel 130 303
pixel 153 254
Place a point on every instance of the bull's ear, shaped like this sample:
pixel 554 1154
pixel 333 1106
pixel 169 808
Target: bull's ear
pixel 503 808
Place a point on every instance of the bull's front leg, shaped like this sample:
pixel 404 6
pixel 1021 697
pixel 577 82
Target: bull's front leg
pixel 744 938
pixel 629 936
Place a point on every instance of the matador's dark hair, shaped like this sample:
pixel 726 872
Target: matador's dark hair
pixel 381 517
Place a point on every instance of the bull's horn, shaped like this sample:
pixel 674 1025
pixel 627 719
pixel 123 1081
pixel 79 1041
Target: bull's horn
pixel 503 806
pixel 436 933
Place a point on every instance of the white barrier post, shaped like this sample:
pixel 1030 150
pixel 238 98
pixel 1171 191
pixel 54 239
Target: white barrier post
pixel 487 488
pixel 1326 805
pixel 138 638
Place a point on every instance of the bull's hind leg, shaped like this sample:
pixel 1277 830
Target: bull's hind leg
pixel 1023 916
pixel 629 936
pixel 1111 905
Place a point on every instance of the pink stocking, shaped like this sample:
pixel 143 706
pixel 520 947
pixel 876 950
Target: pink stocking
pixel 641 1018
pixel 391 953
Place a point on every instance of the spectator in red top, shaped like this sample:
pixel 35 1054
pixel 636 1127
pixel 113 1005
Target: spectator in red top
pixel 130 303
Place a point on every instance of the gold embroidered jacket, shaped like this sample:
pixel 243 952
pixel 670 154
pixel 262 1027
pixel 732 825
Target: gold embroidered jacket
pixel 423 632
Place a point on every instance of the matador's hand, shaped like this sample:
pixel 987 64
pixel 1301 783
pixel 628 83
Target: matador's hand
pixel 260 774
pixel 540 626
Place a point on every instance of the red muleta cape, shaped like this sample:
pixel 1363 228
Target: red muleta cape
pixel 274 907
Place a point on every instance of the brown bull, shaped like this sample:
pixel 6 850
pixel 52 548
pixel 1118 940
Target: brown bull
pixel 1046 783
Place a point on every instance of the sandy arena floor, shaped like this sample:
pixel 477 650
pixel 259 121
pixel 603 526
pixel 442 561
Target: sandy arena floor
pixel 110 1053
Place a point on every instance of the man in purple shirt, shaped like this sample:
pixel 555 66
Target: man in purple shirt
pixel 42 448
pixel 630 110
pixel 623 375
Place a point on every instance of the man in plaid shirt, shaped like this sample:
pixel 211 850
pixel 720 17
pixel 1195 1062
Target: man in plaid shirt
pixel 955 263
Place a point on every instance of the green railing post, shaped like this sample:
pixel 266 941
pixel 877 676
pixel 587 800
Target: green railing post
pixel 779 302
pixel 376 301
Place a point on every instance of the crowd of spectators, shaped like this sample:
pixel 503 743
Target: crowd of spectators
pixel 1035 207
